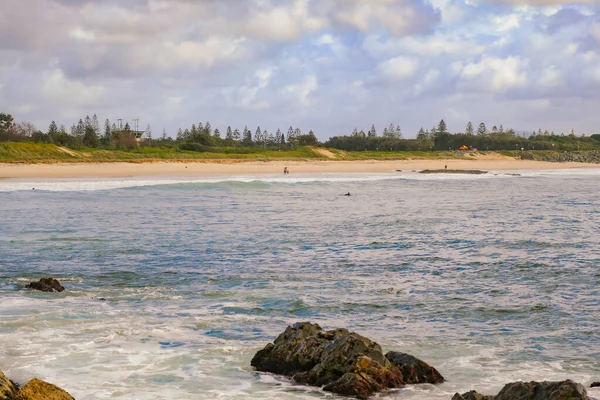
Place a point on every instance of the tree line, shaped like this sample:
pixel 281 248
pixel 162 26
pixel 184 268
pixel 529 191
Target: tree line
pixel 88 132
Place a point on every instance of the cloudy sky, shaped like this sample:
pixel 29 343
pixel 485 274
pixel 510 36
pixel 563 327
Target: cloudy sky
pixel 326 65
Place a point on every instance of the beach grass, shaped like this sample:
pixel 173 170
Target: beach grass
pixel 32 153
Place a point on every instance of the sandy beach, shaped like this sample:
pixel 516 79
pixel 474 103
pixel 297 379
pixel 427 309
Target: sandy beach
pixel 123 170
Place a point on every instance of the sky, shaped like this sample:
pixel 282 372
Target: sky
pixel 325 65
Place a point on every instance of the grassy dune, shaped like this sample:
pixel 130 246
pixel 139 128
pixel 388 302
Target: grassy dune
pixel 49 153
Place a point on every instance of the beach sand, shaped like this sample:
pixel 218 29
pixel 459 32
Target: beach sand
pixel 123 170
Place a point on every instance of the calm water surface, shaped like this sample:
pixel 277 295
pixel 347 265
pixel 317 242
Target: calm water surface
pixel 489 278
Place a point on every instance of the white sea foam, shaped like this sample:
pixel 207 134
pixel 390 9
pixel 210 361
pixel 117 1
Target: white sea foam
pixel 84 185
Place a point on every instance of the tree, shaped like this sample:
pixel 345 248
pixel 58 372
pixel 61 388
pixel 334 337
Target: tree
pixel 229 133
pixel 52 129
pixel 208 128
pixel 494 130
pixel 164 134
pixel 290 134
pixel 90 138
pixel 442 128
pixel 373 131
pixel 107 130
pixel 500 129
pixel 236 135
pixel 217 133
pixel 469 129
pixel 422 135
pixel 247 138
pixel 96 125
pixel 282 136
pixel 180 134
pixel 258 136
pixel 6 122
pixel 482 130
pixel 398 132
pixel 127 127
pixel 88 122
pixel 149 133
pixel 62 130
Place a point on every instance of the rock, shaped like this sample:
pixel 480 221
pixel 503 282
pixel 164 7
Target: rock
pixel 595 384
pixel 37 389
pixel 341 361
pixel 414 371
pixel 8 389
pixel 565 390
pixel 453 171
pixel 472 395
pixel 46 285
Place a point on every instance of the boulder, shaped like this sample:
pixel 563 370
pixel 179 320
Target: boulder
pixel 46 285
pixel 595 384
pixel 565 390
pixel 8 389
pixel 472 395
pixel 414 371
pixel 341 361
pixel 37 389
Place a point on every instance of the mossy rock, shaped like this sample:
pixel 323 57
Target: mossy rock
pixel 37 389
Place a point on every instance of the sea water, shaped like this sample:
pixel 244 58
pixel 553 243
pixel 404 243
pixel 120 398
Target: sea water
pixel 491 279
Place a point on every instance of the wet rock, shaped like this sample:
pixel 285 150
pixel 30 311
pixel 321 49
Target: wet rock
pixel 341 361
pixel 472 395
pixel 565 390
pixel 8 389
pixel 37 389
pixel 414 371
pixel 46 285
pixel 595 384
pixel 453 171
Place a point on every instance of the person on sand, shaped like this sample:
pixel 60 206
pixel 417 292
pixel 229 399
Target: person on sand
pixel 445 167
pixel 286 171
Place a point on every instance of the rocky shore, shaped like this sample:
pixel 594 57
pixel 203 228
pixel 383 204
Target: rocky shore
pixel 35 389
pixel 588 157
pixel 453 171
pixel 349 364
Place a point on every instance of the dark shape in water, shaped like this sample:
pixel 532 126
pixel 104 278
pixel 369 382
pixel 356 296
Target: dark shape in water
pixel 341 361
pixel 565 390
pixel 595 384
pixel 46 285
pixel 453 171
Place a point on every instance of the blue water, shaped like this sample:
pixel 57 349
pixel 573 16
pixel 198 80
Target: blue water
pixel 489 278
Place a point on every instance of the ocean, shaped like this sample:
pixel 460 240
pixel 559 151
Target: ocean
pixel 491 279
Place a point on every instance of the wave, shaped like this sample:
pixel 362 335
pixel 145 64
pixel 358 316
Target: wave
pixel 258 181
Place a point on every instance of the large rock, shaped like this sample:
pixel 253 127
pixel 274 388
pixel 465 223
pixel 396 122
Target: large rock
pixel 341 361
pixel 46 285
pixel 565 390
pixel 8 389
pixel 37 389
pixel 472 395
pixel 414 370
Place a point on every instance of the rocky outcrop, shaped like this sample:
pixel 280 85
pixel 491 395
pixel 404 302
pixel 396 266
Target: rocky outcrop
pixel 414 371
pixel 565 390
pixel 595 384
pixel 8 389
pixel 46 285
pixel 589 157
pixel 341 361
pixel 472 395
pixel 35 389
pixel 453 171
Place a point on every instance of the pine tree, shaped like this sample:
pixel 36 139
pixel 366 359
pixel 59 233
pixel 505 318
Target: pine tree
pixel 422 135
pixel 180 134
pixel 373 131
pixel 258 136
pixel 96 125
pixel 52 129
pixel 88 122
pixel 80 130
pixel 107 132
pixel 398 133
pixel 236 135
pixel 469 129
pixel 208 129
pixel 482 130
pixel 247 139
pixel 229 133
pixel 290 134
pixel 127 127
pixel 500 129
pixel 355 132
pixel 62 130
pixel 442 128
pixel 217 133
pixel 194 130
pixel 494 130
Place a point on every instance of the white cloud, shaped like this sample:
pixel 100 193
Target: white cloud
pixel 401 67
pixel 495 74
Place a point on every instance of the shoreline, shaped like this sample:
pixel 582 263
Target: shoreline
pixel 129 170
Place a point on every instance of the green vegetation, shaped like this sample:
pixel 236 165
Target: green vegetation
pixel 86 142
